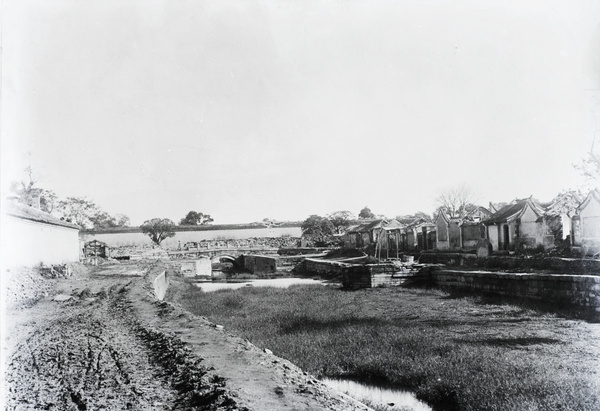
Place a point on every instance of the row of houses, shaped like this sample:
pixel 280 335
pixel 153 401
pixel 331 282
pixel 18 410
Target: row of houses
pixel 523 224
pixel 30 236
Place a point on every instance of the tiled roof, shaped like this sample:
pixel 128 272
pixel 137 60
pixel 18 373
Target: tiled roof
pixel 512 210
pixel 595 194
pixel 33 214
pixel 366 227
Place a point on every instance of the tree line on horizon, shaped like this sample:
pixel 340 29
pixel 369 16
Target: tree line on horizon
pixel 455 202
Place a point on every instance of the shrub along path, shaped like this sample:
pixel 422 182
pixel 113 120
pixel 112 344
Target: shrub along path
pixel 455 352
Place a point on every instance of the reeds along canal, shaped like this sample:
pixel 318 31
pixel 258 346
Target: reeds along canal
pixel 390 398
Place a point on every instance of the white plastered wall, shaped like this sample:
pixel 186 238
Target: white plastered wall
pixel 28 243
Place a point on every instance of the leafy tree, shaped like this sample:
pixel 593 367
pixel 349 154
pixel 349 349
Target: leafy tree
pixel 417 215
pixel 196 218
pixel 78 210
pixel 456 202
pixel 85 213
pixel 102 219
pixel 318 229
pixel 122 220
pixel 48 200
pixel 340 220
pixel 158 229
pixel 366 213
pixel 565 202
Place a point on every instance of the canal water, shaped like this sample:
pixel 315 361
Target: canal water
pixel 402 399
pixel 274 282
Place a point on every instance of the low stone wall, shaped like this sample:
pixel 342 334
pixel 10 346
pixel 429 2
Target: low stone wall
pixel 357 276
pixel 559 265
pixel 258 264
pixel 373 276
pixel 161 283
pixel 574 290
pixel 313 266
pixel 200 267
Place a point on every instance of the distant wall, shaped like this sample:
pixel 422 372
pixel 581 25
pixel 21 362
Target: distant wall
pixel 116 239
pixel 26 242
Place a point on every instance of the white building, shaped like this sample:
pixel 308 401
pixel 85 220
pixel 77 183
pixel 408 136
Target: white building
pixel 30 236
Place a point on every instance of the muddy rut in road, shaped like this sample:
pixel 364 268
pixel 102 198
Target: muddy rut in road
pixel 107 343
pixel 89 352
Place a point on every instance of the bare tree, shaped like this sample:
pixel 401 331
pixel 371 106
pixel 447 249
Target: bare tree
pixel 27 192
pixel 456 201
pixel 590 165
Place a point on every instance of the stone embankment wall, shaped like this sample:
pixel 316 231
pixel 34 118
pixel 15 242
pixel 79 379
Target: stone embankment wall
pixel 313 266
pixel 374 275
pixel 161 283
pixel 258 264
pixel 555 264
pixel 575 290
pixel 565 289
pixel 356 276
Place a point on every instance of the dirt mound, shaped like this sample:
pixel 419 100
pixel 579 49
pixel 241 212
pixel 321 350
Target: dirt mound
pixel 23 286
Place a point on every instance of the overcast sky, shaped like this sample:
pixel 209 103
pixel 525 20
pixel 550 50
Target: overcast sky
pixel 280 109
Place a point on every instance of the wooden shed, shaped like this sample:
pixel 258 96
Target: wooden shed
pixel 96 248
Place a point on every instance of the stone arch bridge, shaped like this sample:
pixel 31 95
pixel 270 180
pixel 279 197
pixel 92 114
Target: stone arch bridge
pixel 218 254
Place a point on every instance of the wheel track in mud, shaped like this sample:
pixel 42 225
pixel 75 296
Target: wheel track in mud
pixel 114 346
pixel 93 354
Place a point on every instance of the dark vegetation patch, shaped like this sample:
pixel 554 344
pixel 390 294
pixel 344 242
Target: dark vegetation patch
pixel 516 342
pixel 535 307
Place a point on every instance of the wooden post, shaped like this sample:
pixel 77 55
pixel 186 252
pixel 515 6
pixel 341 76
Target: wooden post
pixel 387 245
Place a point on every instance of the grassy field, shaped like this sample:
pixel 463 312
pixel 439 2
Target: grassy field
pixel 454 352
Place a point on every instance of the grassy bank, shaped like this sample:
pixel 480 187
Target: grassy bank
pixel 456 353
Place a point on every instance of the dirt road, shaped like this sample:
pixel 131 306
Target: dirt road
pixel 103 341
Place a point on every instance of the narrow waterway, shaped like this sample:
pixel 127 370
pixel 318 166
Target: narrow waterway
pixel 273 282
pixel 394 399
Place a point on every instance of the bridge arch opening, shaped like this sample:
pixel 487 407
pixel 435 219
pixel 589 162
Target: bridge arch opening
pixel 222 259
